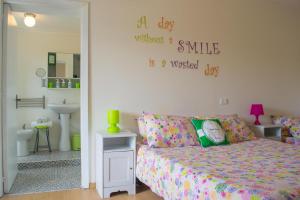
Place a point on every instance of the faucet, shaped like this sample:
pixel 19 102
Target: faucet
pixel 24 126
pixel 64 101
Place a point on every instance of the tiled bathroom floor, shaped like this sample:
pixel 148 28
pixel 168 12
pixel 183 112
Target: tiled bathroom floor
pixel 46 180
pixel 45 172
pixel 49 156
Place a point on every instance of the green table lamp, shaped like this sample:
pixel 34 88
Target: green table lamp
pixel 113 120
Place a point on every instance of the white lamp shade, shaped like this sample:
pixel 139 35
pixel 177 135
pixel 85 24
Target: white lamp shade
pixel 29 19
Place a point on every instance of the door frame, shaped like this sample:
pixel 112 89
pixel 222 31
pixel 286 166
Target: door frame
pixel 83 5
pixel 1 143
pixel 84 96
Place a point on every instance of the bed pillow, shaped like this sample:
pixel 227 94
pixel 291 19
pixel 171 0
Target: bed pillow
pixel 169 131
pixel 295 131
pixel 209 132
pixel 219 116
pixel 237 130
pixel 289 125
pixel 142 129
pixel 285 120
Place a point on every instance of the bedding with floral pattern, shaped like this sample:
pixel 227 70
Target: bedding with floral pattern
pixel 169 131
pixel 253 170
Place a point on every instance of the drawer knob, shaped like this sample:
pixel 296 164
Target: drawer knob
pixel 130 168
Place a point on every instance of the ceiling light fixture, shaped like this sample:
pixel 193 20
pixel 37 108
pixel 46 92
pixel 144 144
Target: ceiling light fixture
pixel 29 19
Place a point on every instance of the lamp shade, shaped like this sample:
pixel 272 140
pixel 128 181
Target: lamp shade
pixel 257 109
pixel 113 116
pixel 113 120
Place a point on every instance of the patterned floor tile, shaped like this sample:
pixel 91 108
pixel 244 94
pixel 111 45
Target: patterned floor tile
pixel 46 179
pixel 46 164
pixel 49 156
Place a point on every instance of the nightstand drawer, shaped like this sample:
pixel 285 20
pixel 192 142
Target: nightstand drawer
pixel 118 168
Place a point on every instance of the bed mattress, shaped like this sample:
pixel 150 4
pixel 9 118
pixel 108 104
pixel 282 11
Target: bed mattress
pixel 259 169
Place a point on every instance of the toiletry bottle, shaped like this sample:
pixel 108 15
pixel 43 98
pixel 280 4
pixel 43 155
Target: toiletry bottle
pixel 70 84
pixel 63 83
pixel 57 83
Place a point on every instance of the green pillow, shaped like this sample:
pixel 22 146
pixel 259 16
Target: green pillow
pixel 209 132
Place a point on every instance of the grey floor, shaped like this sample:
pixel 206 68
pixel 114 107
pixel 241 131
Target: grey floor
pixel 45 172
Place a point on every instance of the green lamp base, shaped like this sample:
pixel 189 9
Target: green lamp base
pixel 113 129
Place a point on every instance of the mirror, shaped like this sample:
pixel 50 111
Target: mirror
pixel 63 65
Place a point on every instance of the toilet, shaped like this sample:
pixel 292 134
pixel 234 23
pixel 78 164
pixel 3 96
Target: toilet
pixel 23 136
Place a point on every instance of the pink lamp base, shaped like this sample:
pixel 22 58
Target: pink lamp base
pixel 257 122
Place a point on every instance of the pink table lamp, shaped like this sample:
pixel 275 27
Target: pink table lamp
pixel 257 110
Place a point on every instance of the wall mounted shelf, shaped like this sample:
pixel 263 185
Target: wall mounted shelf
pixel 51 83
pixel 63 88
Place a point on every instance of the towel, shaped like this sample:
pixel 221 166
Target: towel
pixel 36 124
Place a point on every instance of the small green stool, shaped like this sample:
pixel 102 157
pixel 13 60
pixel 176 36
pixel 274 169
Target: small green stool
pixel 37 138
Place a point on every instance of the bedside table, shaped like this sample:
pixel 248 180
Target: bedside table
pixel 269 131
pixel 115 163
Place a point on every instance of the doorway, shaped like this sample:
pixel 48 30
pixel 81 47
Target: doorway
pixel 11 164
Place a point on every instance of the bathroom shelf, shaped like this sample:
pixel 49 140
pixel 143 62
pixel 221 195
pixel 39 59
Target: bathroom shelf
pixel 63 88
pixel 52 80
pixel 63 78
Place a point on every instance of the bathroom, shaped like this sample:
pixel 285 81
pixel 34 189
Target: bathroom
pixel 41 149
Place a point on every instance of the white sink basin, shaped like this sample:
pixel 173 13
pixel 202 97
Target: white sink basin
pixel 64 108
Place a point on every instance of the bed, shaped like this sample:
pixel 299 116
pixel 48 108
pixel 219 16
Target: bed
pixel 259 169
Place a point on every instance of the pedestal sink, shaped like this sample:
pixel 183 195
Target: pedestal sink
pixel 64 111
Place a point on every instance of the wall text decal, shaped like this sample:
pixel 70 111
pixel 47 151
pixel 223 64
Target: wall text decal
pixel 187 47
pixel 166 24
pixel 185 64
pixel 210 48
pixel 149 39
pixel 211 70
pixel 142 22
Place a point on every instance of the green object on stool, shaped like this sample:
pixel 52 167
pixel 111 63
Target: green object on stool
pixel 75 142
pixel 113 120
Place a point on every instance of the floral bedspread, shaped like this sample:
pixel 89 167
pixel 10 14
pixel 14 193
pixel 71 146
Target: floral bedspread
pixel 258 169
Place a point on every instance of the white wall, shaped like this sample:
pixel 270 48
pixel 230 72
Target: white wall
pixel 259 60
pixel 31 52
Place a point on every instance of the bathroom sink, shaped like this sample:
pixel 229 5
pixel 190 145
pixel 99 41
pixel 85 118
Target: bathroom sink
pixel 64 108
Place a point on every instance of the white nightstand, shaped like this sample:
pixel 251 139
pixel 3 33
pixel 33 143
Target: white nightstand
pixel 115 163
pixel 268 131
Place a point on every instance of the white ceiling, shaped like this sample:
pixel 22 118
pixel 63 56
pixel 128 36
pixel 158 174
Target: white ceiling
pixel 51 7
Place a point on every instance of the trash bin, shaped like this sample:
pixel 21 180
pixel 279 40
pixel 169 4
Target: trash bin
pixel 75 142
